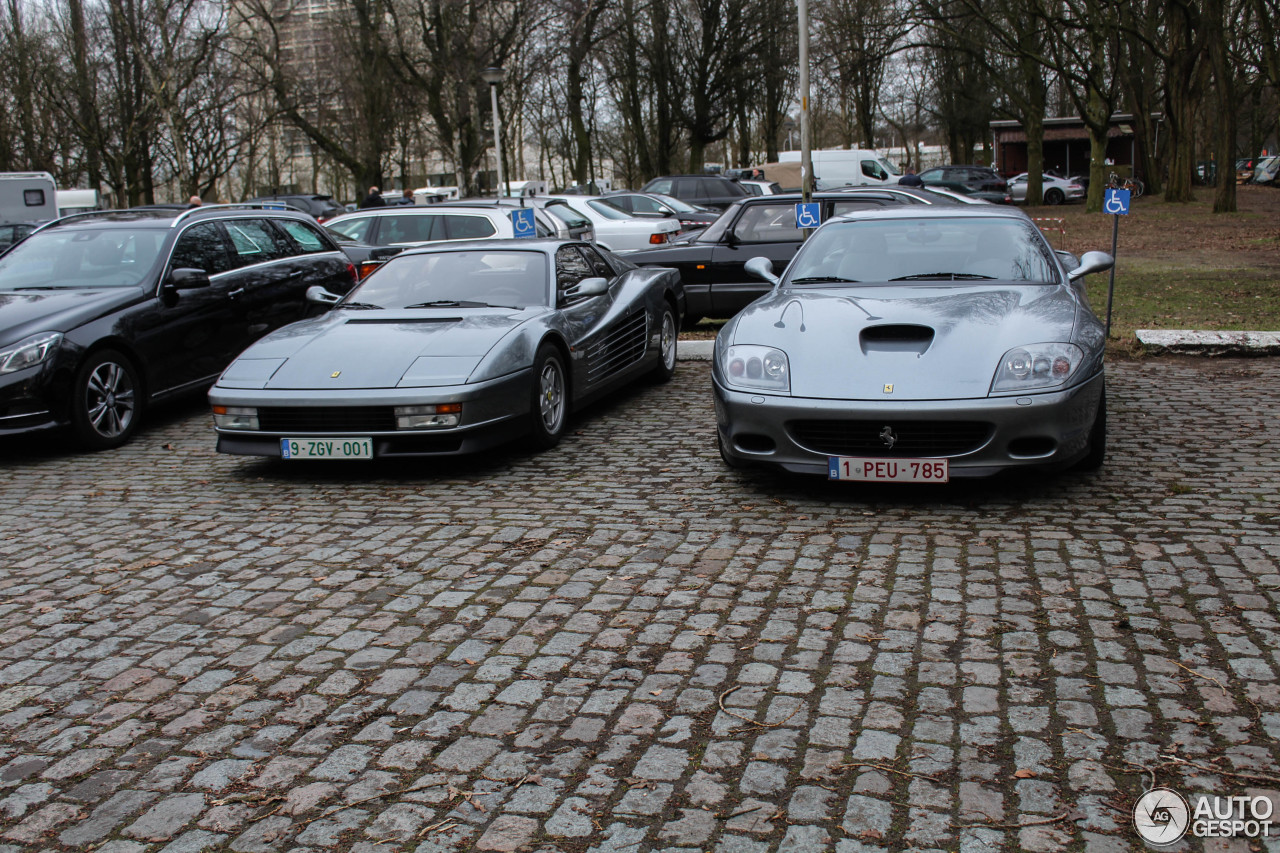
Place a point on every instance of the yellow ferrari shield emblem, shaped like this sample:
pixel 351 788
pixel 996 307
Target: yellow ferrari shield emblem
pixel 888 388
pixel 335 374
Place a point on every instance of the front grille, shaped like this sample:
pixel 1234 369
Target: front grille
pixel 325 419
pixel 912 438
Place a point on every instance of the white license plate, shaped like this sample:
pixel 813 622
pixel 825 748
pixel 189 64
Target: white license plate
pixel 870 470
pixel 326 448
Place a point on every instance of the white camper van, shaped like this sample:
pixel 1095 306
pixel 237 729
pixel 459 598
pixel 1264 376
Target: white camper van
pixel 78 201
pixel 847 167
pixel 28 197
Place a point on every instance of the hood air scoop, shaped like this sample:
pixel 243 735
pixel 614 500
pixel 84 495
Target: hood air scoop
pixel 896 337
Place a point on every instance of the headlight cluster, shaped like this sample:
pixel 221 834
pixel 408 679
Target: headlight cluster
pixel 29 351
pixel 1037 366
pixel 756 367
pixel 428 417
pixel 235 417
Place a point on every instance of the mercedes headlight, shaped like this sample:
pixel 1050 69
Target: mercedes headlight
pixel 1036 367
pixel 29 352
pixel 756 368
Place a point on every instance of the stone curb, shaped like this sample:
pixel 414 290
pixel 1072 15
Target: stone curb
pixel 694 350
pixel 1191 342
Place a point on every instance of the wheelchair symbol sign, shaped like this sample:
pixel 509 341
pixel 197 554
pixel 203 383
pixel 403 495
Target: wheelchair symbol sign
pixel 808 215
pixel 522 224
pixel 1116 203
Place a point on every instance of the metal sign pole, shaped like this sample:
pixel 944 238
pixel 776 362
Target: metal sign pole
pixel 1111 283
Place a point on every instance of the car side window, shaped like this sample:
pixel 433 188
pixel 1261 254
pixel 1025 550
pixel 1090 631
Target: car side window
pixel 690 190
pixel 308 237
pixel 466 227
pixel 352 229
pixel 571 268
pixel 767 223
pixel 640 204
pixel 410 228
pixel 842 207
pixel 598 265
pixel 662 187
pixel 201 247
pixel 872 169
pixel 541 228
pixel 254 241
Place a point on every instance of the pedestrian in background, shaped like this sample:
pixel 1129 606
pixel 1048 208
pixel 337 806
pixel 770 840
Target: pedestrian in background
pixel 373 199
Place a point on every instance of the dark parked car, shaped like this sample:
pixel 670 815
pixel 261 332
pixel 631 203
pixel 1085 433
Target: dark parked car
pixel 15 232
pixel 320 207
pixel 702 190
pixel 711 264
pixel 967 179
pixel 450 349
pixel 102 313
pixel 653 205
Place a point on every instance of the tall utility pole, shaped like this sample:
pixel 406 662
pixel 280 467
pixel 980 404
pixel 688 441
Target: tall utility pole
pixel 806 152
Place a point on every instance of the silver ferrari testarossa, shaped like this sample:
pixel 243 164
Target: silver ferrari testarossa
pixel 449 350
pixel 910 346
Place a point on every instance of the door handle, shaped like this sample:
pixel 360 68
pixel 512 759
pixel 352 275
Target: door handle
pixel 239 291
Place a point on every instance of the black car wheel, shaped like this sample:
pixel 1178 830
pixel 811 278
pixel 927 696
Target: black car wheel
pixel 668 336
pixel 550 404
pixel 106 400
pixel 1097 454
pixel 1053 196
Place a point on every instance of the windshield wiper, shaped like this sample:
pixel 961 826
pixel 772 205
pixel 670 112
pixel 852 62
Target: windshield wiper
pixel 813 279
pixel 361 306
pixel 952 276
pixel 453 303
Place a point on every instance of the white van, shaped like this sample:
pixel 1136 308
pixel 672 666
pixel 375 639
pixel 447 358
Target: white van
pixel 847 167
pixel 78 201
pixel 525 188
pixel 431 195
pixel 28 197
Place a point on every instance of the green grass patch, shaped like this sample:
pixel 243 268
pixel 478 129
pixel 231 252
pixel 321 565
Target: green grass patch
pixel 1155 295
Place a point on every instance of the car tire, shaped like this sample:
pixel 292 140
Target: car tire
pixel 106 400
pixel 549 401
pixel 668 341
pixel 1053 196
pixel 1097 454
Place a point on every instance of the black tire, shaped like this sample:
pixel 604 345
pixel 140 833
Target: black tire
pixel 1097 455
pixel 1053 196
pixel 549 398
pixel 106 400
pixel 669 336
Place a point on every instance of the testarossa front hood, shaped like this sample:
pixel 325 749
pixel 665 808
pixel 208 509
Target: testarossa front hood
pixel 940 341
pixel 375 349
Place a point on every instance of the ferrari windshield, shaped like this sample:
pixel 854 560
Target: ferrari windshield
pixel 943 249
pixel 69 258
pixel 460 278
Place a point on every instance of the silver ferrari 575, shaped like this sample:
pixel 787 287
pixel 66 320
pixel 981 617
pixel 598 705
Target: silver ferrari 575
pixel 449 350
pixel 903 345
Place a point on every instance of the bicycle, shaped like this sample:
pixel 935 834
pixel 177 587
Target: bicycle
pixel 1133 185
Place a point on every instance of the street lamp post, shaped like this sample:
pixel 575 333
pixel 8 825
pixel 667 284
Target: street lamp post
pixel 494 76
pixel 789 125
pixel 806 156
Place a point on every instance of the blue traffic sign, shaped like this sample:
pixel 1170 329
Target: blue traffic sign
pixel 808 215
pixel 1116 202
pixel 522 223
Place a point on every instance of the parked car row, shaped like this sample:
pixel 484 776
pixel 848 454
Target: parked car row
pixel 460 337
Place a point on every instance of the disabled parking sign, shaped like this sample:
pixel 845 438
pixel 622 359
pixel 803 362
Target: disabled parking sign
pixel 522 224
pixel 1116 202
pixel 808 215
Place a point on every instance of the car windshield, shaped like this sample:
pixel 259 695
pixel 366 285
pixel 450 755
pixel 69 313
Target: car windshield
pixel 677 205
pixel 512 279
pixel 608 211
pixel 968 249
pixel 65 258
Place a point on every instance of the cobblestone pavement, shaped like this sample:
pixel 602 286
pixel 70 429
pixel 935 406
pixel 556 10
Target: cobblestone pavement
pixel 620 645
